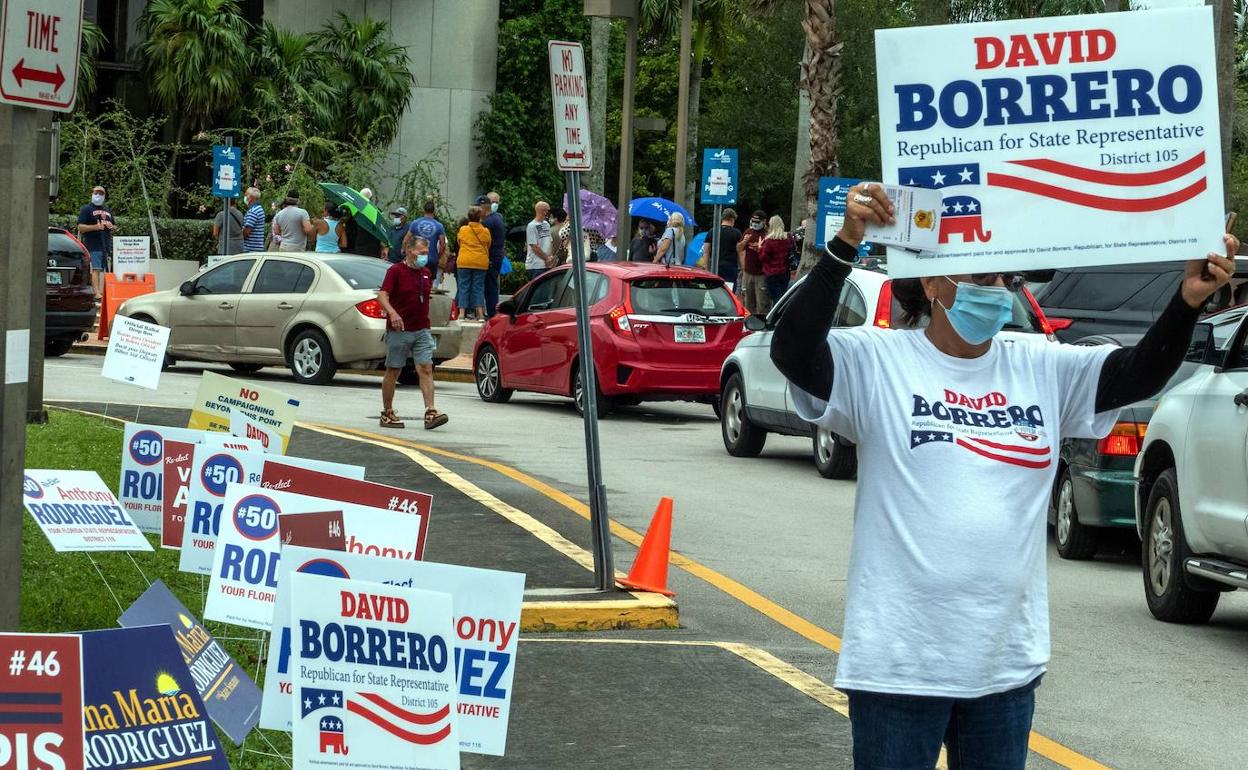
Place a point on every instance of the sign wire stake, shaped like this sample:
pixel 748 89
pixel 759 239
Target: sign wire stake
pixel 104 580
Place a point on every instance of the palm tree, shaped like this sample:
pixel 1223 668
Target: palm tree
pixel 93 41
pixel 370 75
pixel 291 80
pixel 195 57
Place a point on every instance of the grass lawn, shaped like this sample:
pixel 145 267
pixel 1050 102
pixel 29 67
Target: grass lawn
pixel 63 591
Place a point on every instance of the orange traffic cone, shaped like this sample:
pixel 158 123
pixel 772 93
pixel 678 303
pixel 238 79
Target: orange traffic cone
pixel 649 571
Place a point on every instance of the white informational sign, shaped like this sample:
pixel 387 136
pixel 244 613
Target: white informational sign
pixel 385 700
pixel 244 426
pixel 143 468
pixel 487 631
pixel 569 96
pixel 218 395
pixel 39 44
pixel 917 219
pixel 77 512
pixel 136 352
pixel 1056 142
pixel 132 254
pixel 16 356
pixel 209 480
pixel 248 552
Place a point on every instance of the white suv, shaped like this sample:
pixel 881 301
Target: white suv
pixel 754 396
pixel 1192 479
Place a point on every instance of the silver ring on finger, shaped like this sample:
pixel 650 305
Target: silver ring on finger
pixel 863 199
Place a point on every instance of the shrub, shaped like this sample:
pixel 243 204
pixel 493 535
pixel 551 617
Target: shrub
pixel 511 283
pixel 179 238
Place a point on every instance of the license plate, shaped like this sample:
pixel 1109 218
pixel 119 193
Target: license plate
pixel 691 334
pixel 56 278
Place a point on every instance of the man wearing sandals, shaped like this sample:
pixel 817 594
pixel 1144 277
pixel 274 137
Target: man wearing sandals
pixel 405 297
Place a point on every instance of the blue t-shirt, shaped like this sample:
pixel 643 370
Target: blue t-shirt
pixel 396 241
pixel 96 240
pixel 498 235
pixel 431 230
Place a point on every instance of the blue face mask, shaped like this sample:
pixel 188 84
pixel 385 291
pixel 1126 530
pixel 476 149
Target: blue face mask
pixel 422 260
pixel 979 312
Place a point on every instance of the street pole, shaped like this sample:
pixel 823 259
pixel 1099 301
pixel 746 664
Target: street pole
pixel 44 163
pixel 624 225
pixel 18 129
pixel 682 102
pixel 225 213
pixel 600 526
pixel 716 217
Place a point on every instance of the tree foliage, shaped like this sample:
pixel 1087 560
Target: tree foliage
pixel 370 75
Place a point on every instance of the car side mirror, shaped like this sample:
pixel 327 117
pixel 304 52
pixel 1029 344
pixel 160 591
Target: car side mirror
pixel 187 289
pixel 508 307
pixel 1202 349
pixel 755 323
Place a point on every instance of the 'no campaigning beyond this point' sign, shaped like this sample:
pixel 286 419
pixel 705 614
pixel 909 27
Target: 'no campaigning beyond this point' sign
pixel 569 96
pixel 39 42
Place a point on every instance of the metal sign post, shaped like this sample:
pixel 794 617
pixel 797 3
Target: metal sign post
pixel 570 101
pixel 227 172
pixel 719 187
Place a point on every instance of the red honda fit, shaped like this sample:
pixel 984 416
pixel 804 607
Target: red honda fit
pixel 660 334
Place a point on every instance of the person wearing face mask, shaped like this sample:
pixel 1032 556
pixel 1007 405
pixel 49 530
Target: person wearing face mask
pixel 95 228
pixel 404 295
pixel 398 229
pixel 493 222
pixel 753 287
pixel 946 619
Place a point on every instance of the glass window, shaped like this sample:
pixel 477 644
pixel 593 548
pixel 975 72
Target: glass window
pixel 225 279
pixel 542 295
pixel 280 276
pixel 852 308
pixel 677 296
pixel 597 289
pixel 1102 291
pixel 360 273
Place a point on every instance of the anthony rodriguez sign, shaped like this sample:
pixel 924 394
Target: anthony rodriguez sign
pixel 1057 142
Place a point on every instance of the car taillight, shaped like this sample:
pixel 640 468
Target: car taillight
pixel 1124 440
pixel 371 308
pixel 1058 324
pixel 884 307
pixel 618 317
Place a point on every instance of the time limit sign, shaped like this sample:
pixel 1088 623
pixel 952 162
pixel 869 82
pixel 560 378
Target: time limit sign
pixel 569 95
pixel 39 43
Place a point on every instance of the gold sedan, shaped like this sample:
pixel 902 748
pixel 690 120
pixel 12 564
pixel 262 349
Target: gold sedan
pixel 313 312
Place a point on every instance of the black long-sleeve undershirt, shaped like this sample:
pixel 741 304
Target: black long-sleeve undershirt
pixel 800 351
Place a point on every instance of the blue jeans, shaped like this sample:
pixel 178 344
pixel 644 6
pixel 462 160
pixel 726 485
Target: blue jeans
pixel 471 288
pixel 776 285
pixel 904 732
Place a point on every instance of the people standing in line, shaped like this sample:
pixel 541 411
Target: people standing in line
pixel 227 229
pixel 360 240
pixel 95 228
pixel 472 265
pixel 538 256
pixel 493 221
pixel 946 627
pixel 398 232
pixel 561 235
pixel 752 290
pixel 729 237
pixel 774 254
pixel 253 221
pixel 428 227
pixel 642 248
pixel 331 231
pixel 292 227
pixel 404 295
pixel 609 250
pixel 671 248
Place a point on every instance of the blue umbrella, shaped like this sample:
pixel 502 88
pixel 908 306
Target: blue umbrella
pixel 693 252
pixel 659 209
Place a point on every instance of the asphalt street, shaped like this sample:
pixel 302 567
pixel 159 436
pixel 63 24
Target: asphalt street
pixel 1123 689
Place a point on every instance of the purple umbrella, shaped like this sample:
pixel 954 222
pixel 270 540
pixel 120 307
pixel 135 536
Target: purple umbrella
pixel 597 213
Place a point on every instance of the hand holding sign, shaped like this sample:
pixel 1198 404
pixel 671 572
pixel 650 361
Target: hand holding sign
pixel 866 203
pixel 1205 276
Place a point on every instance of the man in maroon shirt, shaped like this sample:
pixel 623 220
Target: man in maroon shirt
pixel 405 296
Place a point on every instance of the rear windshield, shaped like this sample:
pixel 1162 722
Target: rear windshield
pixel 60 242
pixel 667 296
pixel 1098 291
pixel 360 273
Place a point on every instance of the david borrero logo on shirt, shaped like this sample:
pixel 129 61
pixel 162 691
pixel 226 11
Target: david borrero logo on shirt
pixel 988 425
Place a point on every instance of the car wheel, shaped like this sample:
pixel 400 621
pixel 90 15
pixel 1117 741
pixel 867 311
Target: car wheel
pixel 57 347
pixel 1170 597
pixel 717 406
pixel 741 437
pixel 628 401
pixel 1075 541
pixel 489 377
pixel 246 368
pixel 311 360
pixel 578 395
pixel 833 459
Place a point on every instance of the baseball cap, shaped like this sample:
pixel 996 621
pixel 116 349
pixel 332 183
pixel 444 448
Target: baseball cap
pixel 482 200
pixel 400 211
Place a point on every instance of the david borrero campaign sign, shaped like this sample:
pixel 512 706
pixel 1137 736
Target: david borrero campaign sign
pixel 1056 142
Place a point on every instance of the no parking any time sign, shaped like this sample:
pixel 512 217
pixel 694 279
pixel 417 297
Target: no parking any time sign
pixel 569 95
pixel 39 43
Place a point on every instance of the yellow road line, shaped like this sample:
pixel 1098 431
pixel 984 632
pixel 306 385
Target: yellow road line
pixel 1044 746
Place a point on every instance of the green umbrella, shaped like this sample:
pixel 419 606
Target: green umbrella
pixel 362 210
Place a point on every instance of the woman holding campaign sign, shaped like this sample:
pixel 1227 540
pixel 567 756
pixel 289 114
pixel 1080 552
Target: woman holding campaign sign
pixel 946 620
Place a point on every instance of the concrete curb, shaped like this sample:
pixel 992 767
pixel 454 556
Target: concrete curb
pixel 642 611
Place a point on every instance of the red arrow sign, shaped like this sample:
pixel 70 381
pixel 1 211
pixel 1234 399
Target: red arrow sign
pixel 574 155
pixel 23 73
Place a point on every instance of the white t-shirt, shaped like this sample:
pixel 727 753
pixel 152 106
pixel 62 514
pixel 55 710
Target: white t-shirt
pixel 537 233
pixel 947 593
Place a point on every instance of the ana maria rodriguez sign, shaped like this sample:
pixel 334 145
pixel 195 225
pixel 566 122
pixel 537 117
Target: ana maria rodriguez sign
pixel 1063 141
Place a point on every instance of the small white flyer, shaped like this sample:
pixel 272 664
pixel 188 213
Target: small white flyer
pixel 136 351
pixel 918 219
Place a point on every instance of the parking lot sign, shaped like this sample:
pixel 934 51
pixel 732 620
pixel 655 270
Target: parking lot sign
pixel 227 170
pixel 719 176
pixel 569 95
pixel 39 43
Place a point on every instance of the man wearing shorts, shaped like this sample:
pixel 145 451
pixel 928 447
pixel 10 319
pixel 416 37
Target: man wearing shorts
pixel 405 294
pixel 95 228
